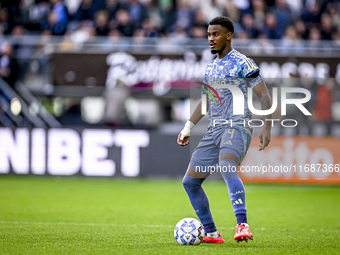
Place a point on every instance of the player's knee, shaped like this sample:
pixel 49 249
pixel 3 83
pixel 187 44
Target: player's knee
pixel 191 182
pixel 229 156
pixel 229 169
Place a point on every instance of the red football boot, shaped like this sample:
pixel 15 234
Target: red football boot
pixel 213 240
pixel 242 233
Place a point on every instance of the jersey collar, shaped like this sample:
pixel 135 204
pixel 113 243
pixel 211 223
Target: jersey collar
pixel 217 60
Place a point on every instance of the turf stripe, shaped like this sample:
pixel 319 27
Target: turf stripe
pixel 83 224
pixel 100 224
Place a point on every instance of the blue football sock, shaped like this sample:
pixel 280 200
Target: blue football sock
pixel 236 189
pixel 199 202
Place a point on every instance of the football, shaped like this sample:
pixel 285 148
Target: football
pixel 189 231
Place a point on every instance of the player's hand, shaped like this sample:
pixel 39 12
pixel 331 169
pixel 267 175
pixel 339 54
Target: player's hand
pixel 184 141
pixel 183 137
pixel 264 138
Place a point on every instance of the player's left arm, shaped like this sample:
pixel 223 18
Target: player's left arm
pixel 262 92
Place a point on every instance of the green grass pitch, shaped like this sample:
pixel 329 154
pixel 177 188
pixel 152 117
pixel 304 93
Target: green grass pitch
pixel 133 216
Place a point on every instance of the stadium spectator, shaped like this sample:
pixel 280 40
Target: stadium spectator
pixel 52 26
pixel 101 23
pixel 137 12
pixel 301 28
pixel 114 42
pixel 5 25
pixel 149 28
pixel 295 7
pixel 283 16
pixel 199 28
pixel 9 67
pixel 211 9
pixel 155 15
pixel 198 32
pixel 34 14
pixel 124 24
pixel 167 9
pixel 333 9
pixel 312 14
pixel 259 13
pixel 23 52
pixel 200 20
pixel 291 42
pixel 326 27
pixel 263 45
pixel 243 5
pixel 113 38
pixel 60 11
pixel 248 25
pixel 85 11
pixel 184 15
pixel 179 35
pixel 231 10
pixel 257 18
pixel 139 38
pixel 243 37
pixel 57 19
pixel 113 6
pixel 66 44
pixel 314 36
pixel 11 15
pixel 270 29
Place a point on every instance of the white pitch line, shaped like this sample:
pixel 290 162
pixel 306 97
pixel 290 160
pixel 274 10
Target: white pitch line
pixel 100 224
pixel 84 224
pixel 128 225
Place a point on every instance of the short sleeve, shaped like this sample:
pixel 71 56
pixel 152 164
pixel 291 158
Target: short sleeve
pixel 251 72
pixel 205 81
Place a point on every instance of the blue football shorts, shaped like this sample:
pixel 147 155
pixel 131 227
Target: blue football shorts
pixel 215 142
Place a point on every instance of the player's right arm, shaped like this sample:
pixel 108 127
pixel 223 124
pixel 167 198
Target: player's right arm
pixel 261 91
pixel 183 136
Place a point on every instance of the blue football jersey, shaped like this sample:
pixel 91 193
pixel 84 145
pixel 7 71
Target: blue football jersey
pixel 233 69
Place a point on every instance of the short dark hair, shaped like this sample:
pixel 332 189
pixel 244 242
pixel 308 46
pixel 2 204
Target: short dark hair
pixel 223 22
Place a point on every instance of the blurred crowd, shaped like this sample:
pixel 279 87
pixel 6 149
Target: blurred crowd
pixel 272 19
pixel 287 20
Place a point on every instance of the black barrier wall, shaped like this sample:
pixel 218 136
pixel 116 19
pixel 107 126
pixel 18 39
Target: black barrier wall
pixel 142 153
pixel 91 152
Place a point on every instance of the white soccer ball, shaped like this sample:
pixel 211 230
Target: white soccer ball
pixel 189 231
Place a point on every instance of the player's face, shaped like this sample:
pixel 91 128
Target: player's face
pixel 218 37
